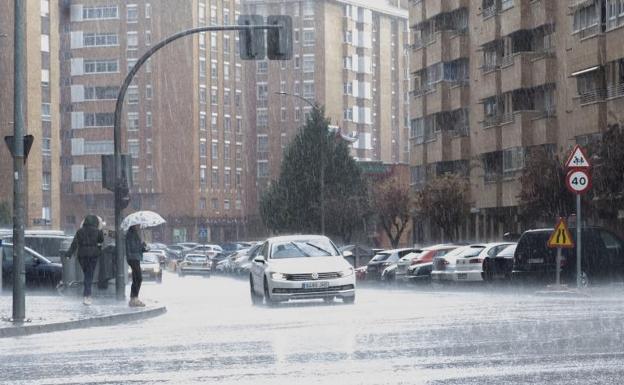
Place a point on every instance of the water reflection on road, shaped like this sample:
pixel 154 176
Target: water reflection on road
pixel 461 335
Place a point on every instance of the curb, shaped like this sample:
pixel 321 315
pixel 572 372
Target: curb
pixel 114 319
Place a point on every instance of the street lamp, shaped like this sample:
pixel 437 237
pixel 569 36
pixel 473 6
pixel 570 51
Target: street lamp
pixel 336 131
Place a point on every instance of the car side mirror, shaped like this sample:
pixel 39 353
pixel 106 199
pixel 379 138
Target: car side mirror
pixel 347 254
pixel 259 259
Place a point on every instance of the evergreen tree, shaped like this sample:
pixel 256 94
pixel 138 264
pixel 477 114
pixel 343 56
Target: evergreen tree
pixel 293 202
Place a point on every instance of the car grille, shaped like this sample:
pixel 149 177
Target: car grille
pixel 308 277
pixel 299 290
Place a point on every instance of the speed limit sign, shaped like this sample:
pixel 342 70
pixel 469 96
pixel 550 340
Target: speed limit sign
pixel 578 181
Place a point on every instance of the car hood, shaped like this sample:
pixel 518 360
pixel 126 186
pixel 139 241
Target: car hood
pixel 308 265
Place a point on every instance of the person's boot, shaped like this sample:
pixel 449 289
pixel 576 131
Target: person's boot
pixel 132 302
pixel 87 301
pixel 138 302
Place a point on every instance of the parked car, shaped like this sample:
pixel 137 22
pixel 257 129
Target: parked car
pixel 443 269
pixel 195 264
pixel 417 266
pixel 469 266
pixel 188 245
pixel 300 267
pixel 150 267
pixel 209 250
pixel 49 243
pixel 40 271
pixel 174 252
pixel 383 260
pixel 162 255
pixel 499 266
pixel 242 261
pixel 602 257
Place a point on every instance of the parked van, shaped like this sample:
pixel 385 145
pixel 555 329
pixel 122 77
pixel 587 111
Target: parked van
pixel 49 243
pixel 602 254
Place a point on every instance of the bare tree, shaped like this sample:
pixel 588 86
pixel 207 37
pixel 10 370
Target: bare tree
pixel 444 200
pixel 392 203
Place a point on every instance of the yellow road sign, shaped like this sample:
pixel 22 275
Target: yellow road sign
pixel 561 237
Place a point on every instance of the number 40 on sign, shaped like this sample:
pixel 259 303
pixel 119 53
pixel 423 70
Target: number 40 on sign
pixel 578 181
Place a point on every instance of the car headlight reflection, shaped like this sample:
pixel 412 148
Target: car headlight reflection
pixel 346 273
pixel 278 277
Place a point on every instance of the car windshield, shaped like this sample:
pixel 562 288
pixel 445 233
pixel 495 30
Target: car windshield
pixel 413 255
pixel 380 257
pixel 303 248
pixel 150 258
pixel 507 251
pixel 472 251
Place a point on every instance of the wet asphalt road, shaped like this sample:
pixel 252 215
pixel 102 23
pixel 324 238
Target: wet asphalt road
pixel 212 334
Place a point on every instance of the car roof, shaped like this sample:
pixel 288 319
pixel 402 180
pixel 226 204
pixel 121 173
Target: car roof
pixel 392 251
pixel 38 255
pixel 196 255
pixel 287 238
pixel 441 246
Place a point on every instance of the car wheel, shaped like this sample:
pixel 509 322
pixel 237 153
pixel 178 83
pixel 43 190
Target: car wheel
pixel 267 295
pixel 585 282
pixel 256 299
pixel 348 300
pixel 488 274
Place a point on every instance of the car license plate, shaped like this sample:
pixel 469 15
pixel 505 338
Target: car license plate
pixel 316 285
pixel 462 276
pixel 536 260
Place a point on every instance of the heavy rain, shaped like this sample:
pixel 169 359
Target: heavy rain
pixel 320 191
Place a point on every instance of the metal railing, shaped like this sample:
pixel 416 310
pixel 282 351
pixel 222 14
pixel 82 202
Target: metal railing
pixel 615 91
pixel 490 121
pixel 593 96
pixel 490 11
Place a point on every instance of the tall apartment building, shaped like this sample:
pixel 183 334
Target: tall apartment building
pixel 493 78
pixel 42 116
pixel 183 118
pixel 350 57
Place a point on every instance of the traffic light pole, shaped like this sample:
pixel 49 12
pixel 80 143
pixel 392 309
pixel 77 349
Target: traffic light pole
pixel 120 282
pixel 19 85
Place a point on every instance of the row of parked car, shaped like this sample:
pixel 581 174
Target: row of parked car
pixel 527 260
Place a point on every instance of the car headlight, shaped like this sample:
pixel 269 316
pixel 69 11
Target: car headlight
pixel 278 277
pixel 346 273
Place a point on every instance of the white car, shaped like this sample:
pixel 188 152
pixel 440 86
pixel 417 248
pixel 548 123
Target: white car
pixel 300 267
pixel 444 266
pixel 469 267
pixel 198 264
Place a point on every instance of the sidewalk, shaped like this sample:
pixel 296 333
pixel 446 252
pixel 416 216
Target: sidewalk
pixel 48 312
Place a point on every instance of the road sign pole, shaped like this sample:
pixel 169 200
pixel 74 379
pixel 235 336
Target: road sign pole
pixel 578 240
pixel 558 269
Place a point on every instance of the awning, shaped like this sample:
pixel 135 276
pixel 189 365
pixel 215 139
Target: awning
pixel 575 5
pixel 586 70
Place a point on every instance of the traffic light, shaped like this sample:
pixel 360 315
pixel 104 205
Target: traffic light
pixel 279 40
pixel 123 194
pixel 251 40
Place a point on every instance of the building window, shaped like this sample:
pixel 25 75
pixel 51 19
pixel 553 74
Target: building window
pixel 214 181
pixel 586 18
pixel 133 39
pixel 214 96
pixel 262 67
pixel 98 119
pixel 202 175
pixel 133 148
pixel 226 204
pixel 202 121
pixel 46 181
pixel 92 174
pixel 148 119
pixel 133 95
pixel 132 14
pixel 133 121
pixel 46 114
pixel 148 92
pixel 309 37
pixel 101 66
pixel 214 203
pixel 263 143
pixel 214 70
pixel 308 63
pixel 100 93
pixel 99 12
pixel 263 169
pixel 148 10
pixel 513 160
pixel 214 151
pixel 98 147
pixel 203 149
pixel 99 39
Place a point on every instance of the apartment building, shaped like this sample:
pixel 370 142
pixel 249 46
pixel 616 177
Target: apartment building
pixel 42 115
pixel 183 115
pixel 350 57
pixel 493 78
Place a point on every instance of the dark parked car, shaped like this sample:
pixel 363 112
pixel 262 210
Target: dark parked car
pixel 40 272
pixel 499 266
pixel 383 260
pixel 602 257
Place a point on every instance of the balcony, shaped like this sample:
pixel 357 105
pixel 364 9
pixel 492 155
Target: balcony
pixel 544 69
pixel 488 27
pixel 416 12
pixel 447 46
pixel 587 52
pixel 509 192
pixel 447 96
pixel 543 12
pixel 417 60
pixel 543 130
pixel 487 86
pixel 460 145
pixel 586 118
pixel 439 150
pixel 515 18
pixel 516 71
pixel 516 128
pixel 613 41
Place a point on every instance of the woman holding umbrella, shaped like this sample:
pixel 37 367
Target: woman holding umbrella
pixel 134 254
pixel 135 248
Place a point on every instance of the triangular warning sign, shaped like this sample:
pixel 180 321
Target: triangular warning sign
pixel 561 237
pixel 578 158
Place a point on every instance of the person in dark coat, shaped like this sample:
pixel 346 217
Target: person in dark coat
pixel 88 244
pixel 134 254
